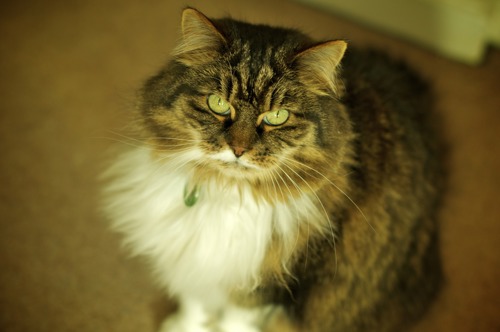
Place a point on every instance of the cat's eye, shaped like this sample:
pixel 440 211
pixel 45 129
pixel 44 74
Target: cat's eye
pixel 277 117
pixel 218 105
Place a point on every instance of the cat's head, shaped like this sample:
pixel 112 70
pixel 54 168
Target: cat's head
pixel 248 102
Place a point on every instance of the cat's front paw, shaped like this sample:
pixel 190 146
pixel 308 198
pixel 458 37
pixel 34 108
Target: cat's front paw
pixel 181 323
pixel 231 319
pixel 237 326
pixel 237 319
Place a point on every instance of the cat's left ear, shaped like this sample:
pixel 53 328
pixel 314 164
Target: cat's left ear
pixel 201 41
pixel 318 67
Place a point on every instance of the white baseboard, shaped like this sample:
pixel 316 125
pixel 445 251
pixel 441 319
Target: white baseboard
pixel 459 29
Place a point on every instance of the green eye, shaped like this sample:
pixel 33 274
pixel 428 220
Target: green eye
pixel 276 118
pixel 218 105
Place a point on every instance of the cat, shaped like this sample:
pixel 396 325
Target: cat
pixel 282 184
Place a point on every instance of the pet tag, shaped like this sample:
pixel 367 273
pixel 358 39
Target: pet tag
pixel 191 196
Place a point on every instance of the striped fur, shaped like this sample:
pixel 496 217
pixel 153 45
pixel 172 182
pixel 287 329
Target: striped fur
pixel 324 222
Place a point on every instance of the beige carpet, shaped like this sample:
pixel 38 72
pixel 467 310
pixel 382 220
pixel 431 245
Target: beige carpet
pixel 67 75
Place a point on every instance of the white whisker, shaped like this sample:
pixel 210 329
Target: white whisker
pixel 137 145
pixel 151 141
pixel 330 224
pixel 175 162
pixel 293 198
pixel 336 187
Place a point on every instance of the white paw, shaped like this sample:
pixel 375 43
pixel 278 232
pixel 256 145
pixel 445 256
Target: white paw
pixel 182 323
pixel 237 327
pixel 192 317
pixel 243 320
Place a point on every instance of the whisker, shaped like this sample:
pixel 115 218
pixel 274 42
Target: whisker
pixel 268 174
pixel 327 215
pixel 274 173
pixel 141 145
pixel 338 188
pixel 174 160
pixel 292 196
pixel 147 140
pixel 141 139
pixel 180 139
pixel 293 182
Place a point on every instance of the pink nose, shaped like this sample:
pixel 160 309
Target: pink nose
pixel 238 150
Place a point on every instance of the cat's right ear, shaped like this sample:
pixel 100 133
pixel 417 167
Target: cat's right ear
pixel 318 67
pixel 201 41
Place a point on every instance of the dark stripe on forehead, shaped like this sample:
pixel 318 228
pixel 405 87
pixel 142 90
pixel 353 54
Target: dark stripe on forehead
pixel 277 96
pixel 239 82
pixel 228 87
pixel 254 75
pixel 258 57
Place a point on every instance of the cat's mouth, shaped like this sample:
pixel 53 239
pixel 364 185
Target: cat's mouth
pixel 239 164
pixel 229 160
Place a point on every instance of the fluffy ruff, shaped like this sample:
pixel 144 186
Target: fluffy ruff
pixel 203 253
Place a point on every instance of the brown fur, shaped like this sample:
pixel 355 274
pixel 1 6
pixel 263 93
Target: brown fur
pixel 357 138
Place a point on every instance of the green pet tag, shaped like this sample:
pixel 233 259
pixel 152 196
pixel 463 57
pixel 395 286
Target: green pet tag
pixel 191 196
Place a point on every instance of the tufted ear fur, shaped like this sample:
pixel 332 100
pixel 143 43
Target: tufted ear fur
pixel 318 67
pixel 200 39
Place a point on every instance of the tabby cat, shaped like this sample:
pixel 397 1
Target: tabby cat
pixel 281 184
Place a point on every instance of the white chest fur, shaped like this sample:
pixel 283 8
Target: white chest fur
pixel 217 244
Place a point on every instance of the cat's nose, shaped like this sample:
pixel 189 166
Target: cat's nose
pixel 238 150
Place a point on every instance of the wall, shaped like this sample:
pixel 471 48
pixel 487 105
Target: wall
pixel 459 29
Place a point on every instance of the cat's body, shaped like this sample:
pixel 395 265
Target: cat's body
pixel 268 178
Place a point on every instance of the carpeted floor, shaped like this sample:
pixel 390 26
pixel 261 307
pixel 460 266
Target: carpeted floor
pixel 68 71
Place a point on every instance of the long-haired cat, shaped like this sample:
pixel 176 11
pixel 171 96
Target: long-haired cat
pixel 281 183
